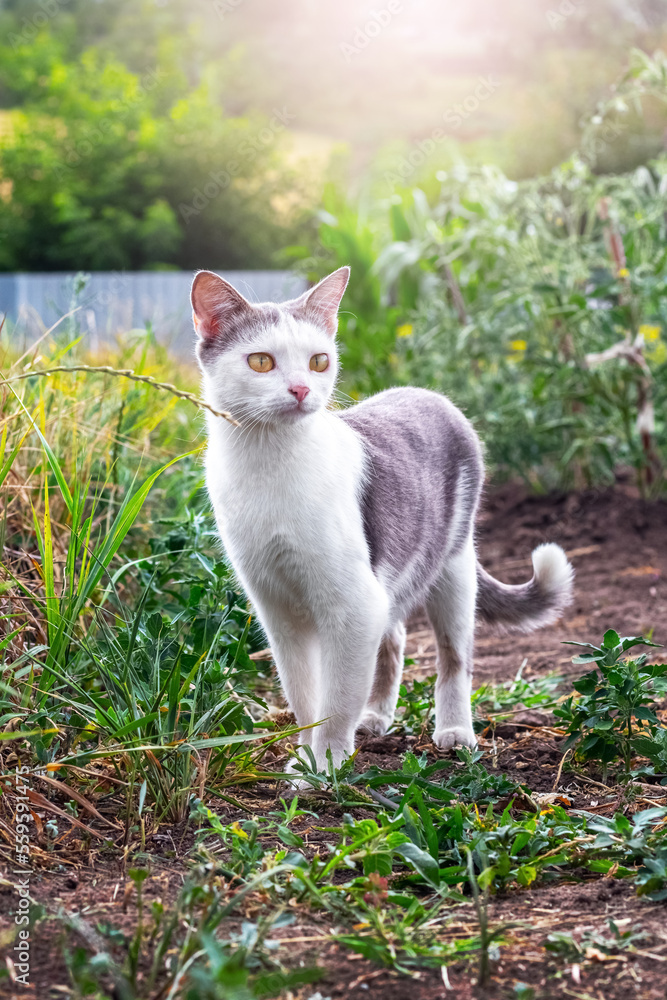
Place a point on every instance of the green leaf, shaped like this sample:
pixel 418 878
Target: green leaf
pixel 421 862
pixel 526 875
pixel 379 862
pixel 586 684
pixel 611 639
pixel 646 714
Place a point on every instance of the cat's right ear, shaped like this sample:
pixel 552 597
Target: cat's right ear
pixel 215 303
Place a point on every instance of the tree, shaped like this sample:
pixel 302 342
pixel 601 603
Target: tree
pixel 103 168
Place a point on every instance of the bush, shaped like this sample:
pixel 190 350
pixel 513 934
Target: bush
pixel 103 167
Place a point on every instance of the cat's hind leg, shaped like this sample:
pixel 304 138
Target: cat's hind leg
pixel 379 712
pixel 451 611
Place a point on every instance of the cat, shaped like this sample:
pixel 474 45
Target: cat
pixel 341 524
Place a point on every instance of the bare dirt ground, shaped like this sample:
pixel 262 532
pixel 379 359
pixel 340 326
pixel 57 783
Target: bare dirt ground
pixel 618 545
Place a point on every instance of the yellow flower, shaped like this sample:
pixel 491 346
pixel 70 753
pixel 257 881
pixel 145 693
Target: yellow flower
pixel 518 345
pixel 405 330
pixel 649 332
pixel 623 272
pixel 239 831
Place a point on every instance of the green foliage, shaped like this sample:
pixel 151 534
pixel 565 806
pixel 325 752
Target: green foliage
pixel 507 295
pixel 129 171
pixel 144 660
pixel 613 716
pixel 181 950
pixel 572 949
pixel 540 294
pixel 500 701
pixel 366 327
pixel 416 705
pixel 652 879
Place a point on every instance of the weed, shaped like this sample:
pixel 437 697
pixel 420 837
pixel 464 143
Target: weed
pixel 499 701
pixel 592 944
pixel 416 704
pixel 614 707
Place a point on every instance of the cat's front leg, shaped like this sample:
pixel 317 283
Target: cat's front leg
pixel 351 627
pixel 295 648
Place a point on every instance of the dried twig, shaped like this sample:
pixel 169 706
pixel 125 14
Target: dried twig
pixel 128 373
pixel 560 768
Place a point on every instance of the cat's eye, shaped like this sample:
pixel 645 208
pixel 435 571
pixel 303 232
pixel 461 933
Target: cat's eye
pixel 319 362
pixel 261 362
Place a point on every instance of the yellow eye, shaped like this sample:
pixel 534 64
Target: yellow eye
pixel 319 362
pixel 261 362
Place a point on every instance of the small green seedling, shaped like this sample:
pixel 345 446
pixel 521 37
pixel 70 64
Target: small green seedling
pixel 615 704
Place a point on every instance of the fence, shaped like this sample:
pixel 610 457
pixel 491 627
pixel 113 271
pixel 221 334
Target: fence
pixel 119 301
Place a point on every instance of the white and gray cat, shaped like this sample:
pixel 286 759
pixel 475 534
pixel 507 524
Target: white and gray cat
pixel 342 524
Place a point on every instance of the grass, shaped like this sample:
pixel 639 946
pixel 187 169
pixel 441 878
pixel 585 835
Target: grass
pixel 134 712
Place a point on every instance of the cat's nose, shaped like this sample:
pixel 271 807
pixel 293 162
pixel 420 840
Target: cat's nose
pixel 299 391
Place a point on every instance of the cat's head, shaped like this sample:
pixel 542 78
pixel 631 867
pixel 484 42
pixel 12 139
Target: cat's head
pixel 267 363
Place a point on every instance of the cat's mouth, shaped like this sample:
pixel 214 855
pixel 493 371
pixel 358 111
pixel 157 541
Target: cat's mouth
pixel 296 409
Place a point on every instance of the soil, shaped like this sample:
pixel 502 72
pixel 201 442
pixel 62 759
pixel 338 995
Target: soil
pixel 618 545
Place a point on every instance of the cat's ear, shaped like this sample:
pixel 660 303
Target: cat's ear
pixel 320 304
pixel 214 304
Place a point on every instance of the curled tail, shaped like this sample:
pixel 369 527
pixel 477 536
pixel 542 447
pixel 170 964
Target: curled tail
pixel 526 606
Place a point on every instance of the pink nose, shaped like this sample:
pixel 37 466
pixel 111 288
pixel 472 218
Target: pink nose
pixel 299 391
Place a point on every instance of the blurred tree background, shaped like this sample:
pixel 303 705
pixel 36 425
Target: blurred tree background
pixel 144 134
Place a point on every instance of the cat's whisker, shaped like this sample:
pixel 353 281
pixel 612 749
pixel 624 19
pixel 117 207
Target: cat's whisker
pixel 342 397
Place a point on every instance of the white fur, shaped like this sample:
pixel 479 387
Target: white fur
pixel 554 574
pixel 302 556
pixel 451 611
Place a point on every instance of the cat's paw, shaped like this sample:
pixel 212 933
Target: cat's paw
pixel 296 782
pixel 295 785
pixel 452 736
pixel 373 724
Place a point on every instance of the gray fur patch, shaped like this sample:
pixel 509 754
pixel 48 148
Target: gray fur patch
pixel 239 325
pixel 424 478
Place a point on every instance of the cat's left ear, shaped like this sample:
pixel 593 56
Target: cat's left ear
pixel 320 304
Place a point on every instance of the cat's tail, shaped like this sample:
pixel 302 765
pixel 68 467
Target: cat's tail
pixel 526 606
